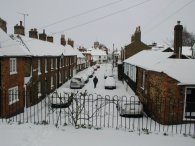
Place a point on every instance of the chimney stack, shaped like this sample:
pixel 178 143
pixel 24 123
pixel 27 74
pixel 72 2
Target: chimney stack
pixel 178 30
pixel 3 25
pixel 70 42
pixel 19 29
pixel 63 41
pixel 50 39
pixel 33 33
pixel 43 36
pixel 137 34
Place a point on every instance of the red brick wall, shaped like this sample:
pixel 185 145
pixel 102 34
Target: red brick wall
pixel 24 70
pixel 162 97
pixel 9 81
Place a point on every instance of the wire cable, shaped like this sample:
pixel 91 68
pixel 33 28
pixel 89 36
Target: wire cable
pixel 81 14
pixel 103 17
pixel 168 17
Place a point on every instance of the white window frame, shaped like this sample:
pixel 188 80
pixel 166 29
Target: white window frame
pixel 13 95
pixel 52 82
pixel 46 66
pixel 39 89
pixel 52 64
pixel 60 77
pixel 70 61
pixel 75 59
pixel 63 62
pixel 13 66
pixel 39 66
pixel 184 111
pixel 56 63
pixel 60 63
pixel 143 79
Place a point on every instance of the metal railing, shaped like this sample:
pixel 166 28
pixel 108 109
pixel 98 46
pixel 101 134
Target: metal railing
pixel 92 110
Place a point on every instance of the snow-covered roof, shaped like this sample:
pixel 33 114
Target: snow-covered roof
pixel 147 58
pixel 79 54
pixel 98 52
pixel 187 51
pixel 43 48
pixel 10 47
pixel 19 45
pixel 183 70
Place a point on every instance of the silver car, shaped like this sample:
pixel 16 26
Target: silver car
pixel 77 82
pixel 131 109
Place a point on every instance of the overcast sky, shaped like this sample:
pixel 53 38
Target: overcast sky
pixel 106 21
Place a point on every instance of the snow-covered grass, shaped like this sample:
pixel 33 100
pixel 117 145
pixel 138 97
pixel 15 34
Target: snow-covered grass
pixel 49 135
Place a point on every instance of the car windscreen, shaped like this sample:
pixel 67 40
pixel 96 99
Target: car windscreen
pixel 76 80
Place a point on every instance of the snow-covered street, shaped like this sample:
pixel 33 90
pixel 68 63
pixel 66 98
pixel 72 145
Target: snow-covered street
pixel 121 90
pixel 48 135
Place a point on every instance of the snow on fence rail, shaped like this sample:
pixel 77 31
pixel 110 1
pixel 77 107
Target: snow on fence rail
pixel 92 110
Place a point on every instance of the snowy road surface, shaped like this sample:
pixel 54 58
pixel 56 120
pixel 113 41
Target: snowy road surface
pixel 121 89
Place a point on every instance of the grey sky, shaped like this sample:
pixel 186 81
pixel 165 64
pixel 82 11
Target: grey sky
pixel 114 23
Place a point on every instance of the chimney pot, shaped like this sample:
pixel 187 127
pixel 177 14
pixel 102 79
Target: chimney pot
pixel 19 29
pixel 50 39
pixel 178 22
pixel 20 23
pixel 62 36
pixel 137 35
pixel 33 33
pixel 43 36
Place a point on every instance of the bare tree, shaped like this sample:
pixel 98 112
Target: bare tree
pixel 188 38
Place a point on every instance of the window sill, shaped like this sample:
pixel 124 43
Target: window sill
pixel 14 101
pixel 52 86
pixel 13 73
pixel 39 95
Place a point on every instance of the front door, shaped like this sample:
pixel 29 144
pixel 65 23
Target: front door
pixel 190 103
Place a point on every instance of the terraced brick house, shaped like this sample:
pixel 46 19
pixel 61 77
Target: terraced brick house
pixel 164 82
pixel 31 68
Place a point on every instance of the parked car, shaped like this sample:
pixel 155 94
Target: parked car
pixel 98 65
pixel 85 77
pixel 94 67
pixel 110 83
pixel 130 109
pixel 108 73
pixel 77 82
pixel 90 72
